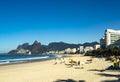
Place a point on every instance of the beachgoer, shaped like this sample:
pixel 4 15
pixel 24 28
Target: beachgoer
pixel 55 61
pixel 63 61
pixel 79 63
pixel 119 62
pixel 82 63
pixel 115 63
pixel 71 61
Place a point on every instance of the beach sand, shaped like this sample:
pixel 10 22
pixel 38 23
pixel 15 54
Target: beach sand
pixel 47 71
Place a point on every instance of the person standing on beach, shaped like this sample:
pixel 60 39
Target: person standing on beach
pixel 115 63
pixel 55 61
pixel 78 63
pixel 119 62
pixel 63 61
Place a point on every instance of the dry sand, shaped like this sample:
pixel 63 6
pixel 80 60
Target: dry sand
pixel 46 71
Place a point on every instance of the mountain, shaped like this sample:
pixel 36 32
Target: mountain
pixel 24 46
pixel 35 48
pixel 38 48
pixel 61 46
pixel 90 44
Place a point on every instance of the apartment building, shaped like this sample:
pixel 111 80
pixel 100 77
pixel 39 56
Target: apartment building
pixel 110 37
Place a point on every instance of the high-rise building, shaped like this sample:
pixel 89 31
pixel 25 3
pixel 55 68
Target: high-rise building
pixel 102 42
pixel 110 37
pixel 81 49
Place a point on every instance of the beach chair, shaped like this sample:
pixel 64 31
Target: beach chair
pixel 89 60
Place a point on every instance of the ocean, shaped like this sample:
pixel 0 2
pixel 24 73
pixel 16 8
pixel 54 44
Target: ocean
pixel 14 59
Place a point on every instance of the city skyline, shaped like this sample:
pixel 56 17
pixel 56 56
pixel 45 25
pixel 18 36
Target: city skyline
pixel 71 21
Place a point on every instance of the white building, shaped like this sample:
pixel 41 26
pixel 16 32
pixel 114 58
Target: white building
pixel 96 46
pixel 23 51
pixel 81 49
pixel 88 48
pixel 51 52
pixel 74 50
pixel 61 52
pixel 68 50
pixel 111 36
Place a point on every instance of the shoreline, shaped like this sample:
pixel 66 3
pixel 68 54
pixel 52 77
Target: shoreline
pixel 42 60
pixel 34 61
pixel 28 60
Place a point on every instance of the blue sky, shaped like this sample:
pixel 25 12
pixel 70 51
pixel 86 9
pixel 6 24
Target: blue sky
pixel 71 21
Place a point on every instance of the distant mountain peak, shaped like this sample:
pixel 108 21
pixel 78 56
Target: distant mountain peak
pixel 36 42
